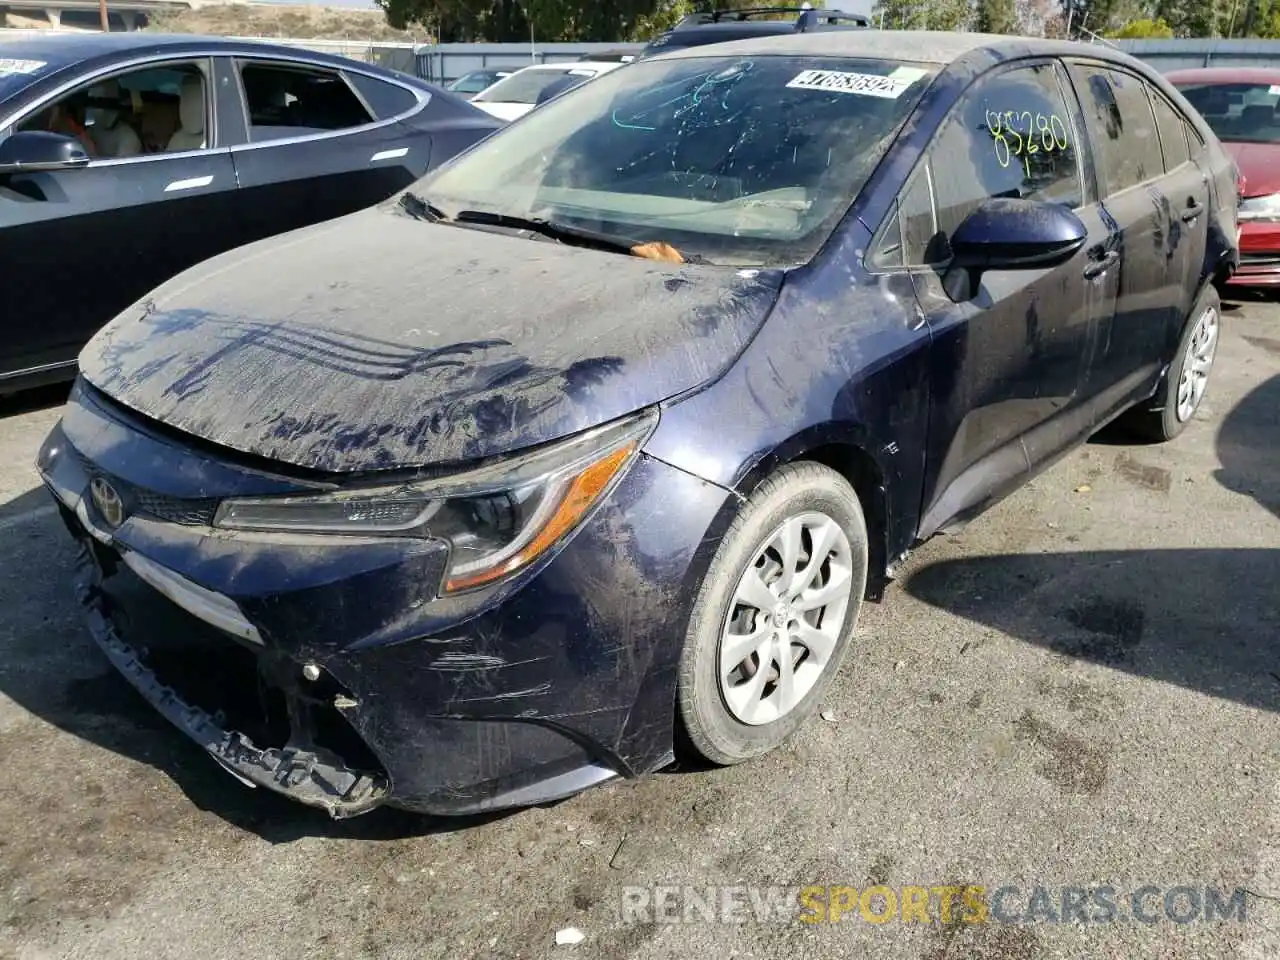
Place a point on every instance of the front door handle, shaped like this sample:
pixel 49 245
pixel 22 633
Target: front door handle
pixel 1193 210
pixel 191 183
pixel 1099 265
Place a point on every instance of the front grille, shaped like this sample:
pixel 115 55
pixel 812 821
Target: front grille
pixel 189 512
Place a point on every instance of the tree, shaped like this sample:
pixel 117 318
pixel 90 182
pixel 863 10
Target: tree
pixel 926 15
pixel 1143 29
pixel 997 16
pixel 1103 16
pixel 510 20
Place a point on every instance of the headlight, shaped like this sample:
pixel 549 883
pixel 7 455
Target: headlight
pixel 1260 208
pixel 497 519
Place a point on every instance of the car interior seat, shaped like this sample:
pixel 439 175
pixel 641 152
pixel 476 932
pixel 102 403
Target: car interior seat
pixel 1257 117
pixel 190 134
pixel 113 134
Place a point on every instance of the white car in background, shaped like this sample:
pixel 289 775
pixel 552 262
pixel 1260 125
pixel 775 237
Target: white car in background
pixel 514 96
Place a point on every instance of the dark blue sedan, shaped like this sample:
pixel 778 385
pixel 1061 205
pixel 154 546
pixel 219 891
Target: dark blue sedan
pixel 127 158
pixel 595 440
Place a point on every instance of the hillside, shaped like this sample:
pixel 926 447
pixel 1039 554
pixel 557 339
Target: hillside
pixel 278 20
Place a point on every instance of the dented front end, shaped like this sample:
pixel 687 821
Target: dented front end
pixel 333 669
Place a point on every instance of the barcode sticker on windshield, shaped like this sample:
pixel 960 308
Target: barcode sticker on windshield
pixel 908 73
pixel 863 84
pixel 14 67
pixel 1275 89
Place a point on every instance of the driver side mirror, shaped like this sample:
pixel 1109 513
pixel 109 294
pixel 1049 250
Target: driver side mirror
pixel 1010 234
pixel 29 151
pixel 1005 234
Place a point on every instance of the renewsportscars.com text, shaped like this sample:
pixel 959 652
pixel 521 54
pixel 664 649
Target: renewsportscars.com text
pixel 938 903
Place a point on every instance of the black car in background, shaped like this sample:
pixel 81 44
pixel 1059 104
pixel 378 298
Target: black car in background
pixel 125 159
pixel 721 26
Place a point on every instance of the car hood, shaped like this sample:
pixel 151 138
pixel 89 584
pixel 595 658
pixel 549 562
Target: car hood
pixel 379 342
pixel 1260 165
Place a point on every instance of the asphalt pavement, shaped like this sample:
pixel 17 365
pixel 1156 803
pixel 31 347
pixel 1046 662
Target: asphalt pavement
pixel 1079 692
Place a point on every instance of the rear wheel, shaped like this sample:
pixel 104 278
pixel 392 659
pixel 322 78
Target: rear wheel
pixel 774 615
pixel 1183 388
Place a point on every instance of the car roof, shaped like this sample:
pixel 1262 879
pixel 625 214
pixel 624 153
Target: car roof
pixel 566 66
pixel 748 27
pixel 558 65
pixel 1225 75
pixel 921 46
pixel 62 50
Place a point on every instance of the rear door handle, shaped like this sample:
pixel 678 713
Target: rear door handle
pixel 1193 210
pixel 1098 265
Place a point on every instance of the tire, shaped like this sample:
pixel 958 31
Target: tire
pixel 1182 389
pixel 727 717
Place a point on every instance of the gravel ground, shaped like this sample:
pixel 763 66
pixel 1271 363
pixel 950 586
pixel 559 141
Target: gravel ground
pixel 1082 688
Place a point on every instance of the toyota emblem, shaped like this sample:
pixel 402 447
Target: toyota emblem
pixel 108 501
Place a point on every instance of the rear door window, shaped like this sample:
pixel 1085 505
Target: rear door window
pixel 288 101
pixel 1122 127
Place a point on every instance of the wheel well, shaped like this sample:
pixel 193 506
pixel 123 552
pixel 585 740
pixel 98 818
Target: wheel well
pixel 857 467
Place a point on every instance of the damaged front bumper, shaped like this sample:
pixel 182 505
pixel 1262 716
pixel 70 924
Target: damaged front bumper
pixel 542 688
pixel 313 777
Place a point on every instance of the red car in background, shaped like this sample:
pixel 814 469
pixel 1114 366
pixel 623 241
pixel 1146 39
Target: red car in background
pixel 1242 106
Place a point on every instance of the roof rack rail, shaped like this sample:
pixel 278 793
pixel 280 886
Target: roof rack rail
pixel 748 13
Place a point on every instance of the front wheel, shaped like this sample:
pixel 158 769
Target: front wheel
pixel 775 614
pixel 1183 387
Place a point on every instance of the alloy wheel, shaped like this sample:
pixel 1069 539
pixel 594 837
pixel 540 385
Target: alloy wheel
pixel 1197 364
pixel 785 619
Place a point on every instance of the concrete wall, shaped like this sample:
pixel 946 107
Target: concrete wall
pixel 446 62
pixel 1167 55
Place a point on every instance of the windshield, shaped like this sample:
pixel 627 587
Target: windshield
pixel 524 87
pixel 474 82
pixel 743 161
pixel 16 74
pixel 1237 112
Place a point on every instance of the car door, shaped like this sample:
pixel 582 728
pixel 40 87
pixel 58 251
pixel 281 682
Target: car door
pixel 1187 187
pixel 1008 361
pixel 316 149
pixel 84 244
pixel 1122 127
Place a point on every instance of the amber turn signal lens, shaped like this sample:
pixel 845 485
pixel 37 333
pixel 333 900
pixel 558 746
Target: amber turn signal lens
pixel 579 494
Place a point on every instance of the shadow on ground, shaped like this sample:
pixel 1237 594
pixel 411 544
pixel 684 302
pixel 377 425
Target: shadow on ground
pixel 29 401
pixel 1204 619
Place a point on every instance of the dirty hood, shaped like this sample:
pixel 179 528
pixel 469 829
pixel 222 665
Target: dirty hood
pixel 377 341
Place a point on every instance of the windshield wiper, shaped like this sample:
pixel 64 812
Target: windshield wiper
pixel 419 209
pixel 562 232
pixel 549 228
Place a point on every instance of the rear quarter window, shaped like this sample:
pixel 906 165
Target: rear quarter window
pixel 1173 131
pixel 385 98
